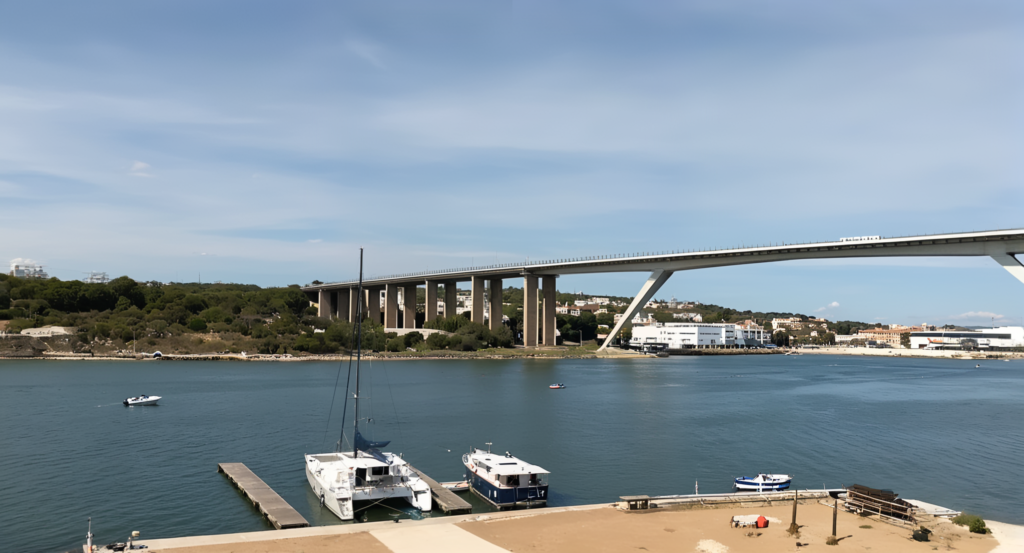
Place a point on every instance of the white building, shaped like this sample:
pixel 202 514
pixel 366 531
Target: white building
pixel 1004 337
pixel 695 317
pixel 28 270
pixel 689 335
pixel 791 322
pixel 47 331
pixel 642 318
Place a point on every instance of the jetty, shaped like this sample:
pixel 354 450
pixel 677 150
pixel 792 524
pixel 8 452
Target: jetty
pixel 271 505
pixel 444 498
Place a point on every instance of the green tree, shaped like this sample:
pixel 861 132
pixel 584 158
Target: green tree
pixel 123 303
pixel 905 340
pixel 197 324
pixel 396 344
pixel 436 340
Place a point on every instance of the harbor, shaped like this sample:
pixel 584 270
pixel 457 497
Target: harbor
pixel 644 427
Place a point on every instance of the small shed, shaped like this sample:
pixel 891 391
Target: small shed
pixel 637 502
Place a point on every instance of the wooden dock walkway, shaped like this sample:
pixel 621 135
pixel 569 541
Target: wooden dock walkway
pixel 276 509
pixel 444 498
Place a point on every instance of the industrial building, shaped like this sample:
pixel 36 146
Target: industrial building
pixel 691 335
pixel 999 338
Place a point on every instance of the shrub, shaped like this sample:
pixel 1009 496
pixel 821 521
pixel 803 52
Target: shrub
pixel 447 324
pixel 395 344
pixel 503 337
pixel 412 338
pixel 197 324
pixel 462 343
pixel 974 523
pixel 437 341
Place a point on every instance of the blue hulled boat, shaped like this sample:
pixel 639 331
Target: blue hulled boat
pixel 505 480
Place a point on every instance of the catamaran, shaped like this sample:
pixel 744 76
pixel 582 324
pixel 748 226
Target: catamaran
pixel 365 474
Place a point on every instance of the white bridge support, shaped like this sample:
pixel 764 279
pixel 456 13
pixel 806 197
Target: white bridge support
pixel 651 287
pixel 1010 263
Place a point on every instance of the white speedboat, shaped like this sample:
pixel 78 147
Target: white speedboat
pixel 366 474
pixel 558 386
pixel 505 480
pixel 142 400
pixel 763 482
pixel 457 487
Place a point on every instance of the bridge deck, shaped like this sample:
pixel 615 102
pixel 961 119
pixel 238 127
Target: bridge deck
pixel 276 509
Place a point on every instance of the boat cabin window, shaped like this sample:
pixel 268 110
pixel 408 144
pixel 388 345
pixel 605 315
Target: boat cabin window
pixel 379 471
pixel 511 480
pixel 360 476
pixel 484 466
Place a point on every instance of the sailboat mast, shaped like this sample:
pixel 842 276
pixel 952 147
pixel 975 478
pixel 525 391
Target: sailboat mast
pixel 359 351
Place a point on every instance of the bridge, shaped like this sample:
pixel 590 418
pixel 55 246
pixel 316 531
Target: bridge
pixel 339 299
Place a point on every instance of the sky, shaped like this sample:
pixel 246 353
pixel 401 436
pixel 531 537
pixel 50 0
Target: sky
pixel 266 142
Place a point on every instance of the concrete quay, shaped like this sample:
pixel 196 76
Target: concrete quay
pixel 426 535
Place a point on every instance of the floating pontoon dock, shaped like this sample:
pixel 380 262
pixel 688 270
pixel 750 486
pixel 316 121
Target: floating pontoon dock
pixel 276 509
pixel 444 498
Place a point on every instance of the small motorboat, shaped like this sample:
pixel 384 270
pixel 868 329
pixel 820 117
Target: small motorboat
pixel 142 400
pixel 457 487
pixel 556 386
pixel 763 482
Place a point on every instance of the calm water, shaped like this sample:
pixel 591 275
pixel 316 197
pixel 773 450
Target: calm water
pixel 938 430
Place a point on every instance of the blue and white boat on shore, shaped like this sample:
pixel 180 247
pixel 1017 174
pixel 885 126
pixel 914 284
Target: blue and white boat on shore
pixel 505 480
pixel 763 482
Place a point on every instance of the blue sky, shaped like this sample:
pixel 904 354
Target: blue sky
pixel 265 142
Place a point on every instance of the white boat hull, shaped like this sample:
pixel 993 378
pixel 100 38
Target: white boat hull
pixel 148 400
pixel 763 482
pixel 334 482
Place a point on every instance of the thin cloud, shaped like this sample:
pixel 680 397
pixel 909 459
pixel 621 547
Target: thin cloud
pixel 22 261
pixel 366 52
pixel 983 315
pixel 140 169
pixel 829 306
pixel 316 240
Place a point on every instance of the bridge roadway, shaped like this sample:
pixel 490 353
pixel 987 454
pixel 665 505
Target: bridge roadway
pixel 338 299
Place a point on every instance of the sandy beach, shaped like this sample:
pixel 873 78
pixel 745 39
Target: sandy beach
pixel 608 529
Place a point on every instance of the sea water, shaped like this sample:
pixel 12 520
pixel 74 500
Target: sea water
pixel 942 431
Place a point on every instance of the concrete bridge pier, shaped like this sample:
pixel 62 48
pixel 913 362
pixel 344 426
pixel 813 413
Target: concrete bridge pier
pixel 373 304
pixel 391 306
pixel 530 311
pixel 430 308
pixel 496 298
pixel 451 298
pixel 477 295
pixel 409 306
pixel 341 304
pixel 548 324
pixel 325 307
pixel 353 305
